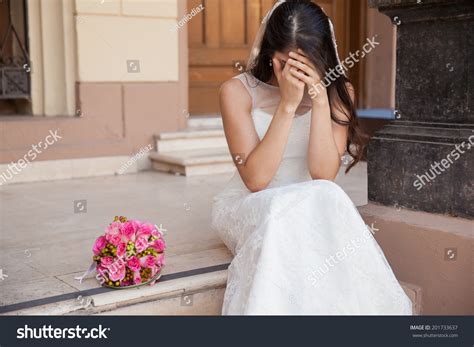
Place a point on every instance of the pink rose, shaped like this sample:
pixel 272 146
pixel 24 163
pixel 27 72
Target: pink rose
pixel 101 270
pixel 101 274
pixel 134 264
pixel 145 230
pixel 137 278
pixel 113 233
pixel 106 261
pixel 156 233
pixel 159 245
pixel 141 244
pixel 121 249
pixel 114 239
pixel 99 245
pixel 129 230
pixel 113 228
pixel 117 271
pixel 148 261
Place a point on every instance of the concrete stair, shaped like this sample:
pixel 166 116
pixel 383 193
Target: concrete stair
pixel 191 139
pixel 201 149
pixel 193 283
pixel 213 121
pixel 200 294
pixel 207 161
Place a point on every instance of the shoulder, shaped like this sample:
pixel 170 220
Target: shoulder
pixel 234 91
pixel 231 87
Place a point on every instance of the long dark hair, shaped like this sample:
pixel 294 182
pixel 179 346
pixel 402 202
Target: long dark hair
pixel 304 25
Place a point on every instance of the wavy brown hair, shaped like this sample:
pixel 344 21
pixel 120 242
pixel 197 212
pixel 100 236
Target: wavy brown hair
pixel 303 24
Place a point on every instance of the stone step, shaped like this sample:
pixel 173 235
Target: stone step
pixel 200 294
pixel 191 139
pixel 194 295
pixel 193 283
pixel 205 161
pixel 213 121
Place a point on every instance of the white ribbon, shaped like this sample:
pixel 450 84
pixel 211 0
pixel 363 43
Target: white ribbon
pixel 88 271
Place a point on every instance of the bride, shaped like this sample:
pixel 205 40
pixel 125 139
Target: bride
pixel 299 243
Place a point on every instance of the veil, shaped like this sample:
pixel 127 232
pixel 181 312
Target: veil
pixel 257 44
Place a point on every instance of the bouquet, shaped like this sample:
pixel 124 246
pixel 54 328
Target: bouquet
pixel 130 253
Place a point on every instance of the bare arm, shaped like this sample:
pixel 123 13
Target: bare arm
pixel 261 158
pixel 328 140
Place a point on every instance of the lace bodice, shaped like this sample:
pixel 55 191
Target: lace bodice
pixel 265 100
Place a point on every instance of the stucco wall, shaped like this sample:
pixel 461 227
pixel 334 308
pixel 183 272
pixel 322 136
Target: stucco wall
pixel 141 31
pixel 119 105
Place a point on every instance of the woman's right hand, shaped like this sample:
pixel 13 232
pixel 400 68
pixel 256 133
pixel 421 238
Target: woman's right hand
pixel 291 88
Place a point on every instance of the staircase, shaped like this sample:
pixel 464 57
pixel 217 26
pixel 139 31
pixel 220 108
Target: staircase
pixel 194 292
pixel 200 149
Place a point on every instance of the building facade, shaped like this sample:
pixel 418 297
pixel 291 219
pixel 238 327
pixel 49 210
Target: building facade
pixel 109 75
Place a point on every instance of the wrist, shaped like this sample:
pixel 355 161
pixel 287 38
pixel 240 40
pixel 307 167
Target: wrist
pixel 321 100
pixel 287 109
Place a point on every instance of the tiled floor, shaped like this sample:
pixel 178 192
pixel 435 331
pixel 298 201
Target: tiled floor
pixel 44 244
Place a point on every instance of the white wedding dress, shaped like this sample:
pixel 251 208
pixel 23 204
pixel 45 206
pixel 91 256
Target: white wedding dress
pixel 300 246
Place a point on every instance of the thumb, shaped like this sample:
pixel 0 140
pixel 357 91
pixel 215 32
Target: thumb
pixel 277 69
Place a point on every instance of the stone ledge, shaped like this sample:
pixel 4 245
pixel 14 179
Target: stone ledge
pixel 120 299
pixel 416 244
pixel 435 222
pixel 415 294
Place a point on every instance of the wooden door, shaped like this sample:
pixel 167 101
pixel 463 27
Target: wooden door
pixel 220 38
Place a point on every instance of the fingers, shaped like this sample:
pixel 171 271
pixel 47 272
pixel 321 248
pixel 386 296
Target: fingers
pixel 288 75
pixel 300 66
pixel 301 76
pixel 300 56
pixel 303 63
pixel 284 72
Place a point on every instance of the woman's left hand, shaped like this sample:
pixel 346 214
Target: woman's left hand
pixel 304 70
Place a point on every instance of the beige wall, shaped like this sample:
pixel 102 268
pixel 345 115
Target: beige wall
pixel 415 244
pixel 112 33
pixel 116 112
